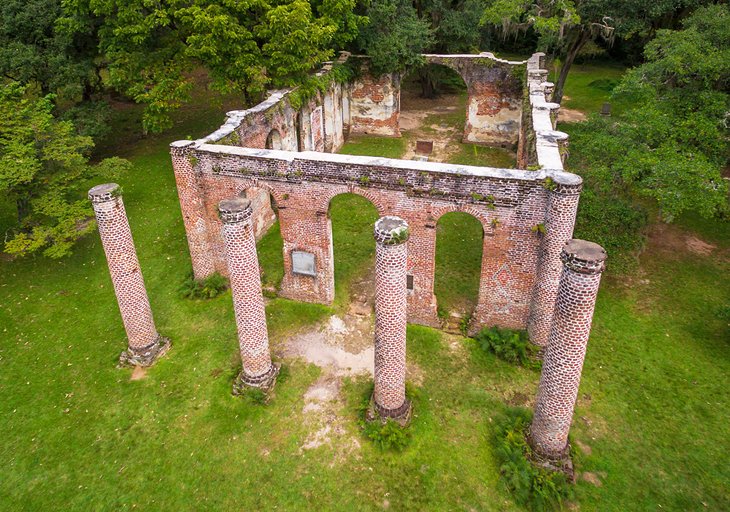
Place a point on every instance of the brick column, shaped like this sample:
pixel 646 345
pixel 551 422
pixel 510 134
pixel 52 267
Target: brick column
pixel 248 300
pixel 583 263
pixel 391 258
pixel 145 345
pixel 559 223
pixel 192 207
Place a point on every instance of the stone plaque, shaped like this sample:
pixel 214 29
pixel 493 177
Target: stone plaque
pixel 303 263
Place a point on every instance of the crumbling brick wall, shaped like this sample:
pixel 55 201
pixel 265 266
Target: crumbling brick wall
pixel 508 203
pixel 495 91
pixel 520 211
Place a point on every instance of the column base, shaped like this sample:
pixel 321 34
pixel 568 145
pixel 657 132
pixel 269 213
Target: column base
pixel 265 382
pixel 401 415
pixel 560 462
pixel 146 356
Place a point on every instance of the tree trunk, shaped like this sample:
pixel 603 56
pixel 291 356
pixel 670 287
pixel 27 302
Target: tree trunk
pixel 580 40
pixel 22 204
pixel 428 85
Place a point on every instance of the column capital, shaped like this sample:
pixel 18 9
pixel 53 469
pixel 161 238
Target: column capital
pixel 235 210
pixel 583 257
pixel 390 230
pixel 104 193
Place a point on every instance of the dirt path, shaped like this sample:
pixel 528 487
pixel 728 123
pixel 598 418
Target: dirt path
pixel 342 346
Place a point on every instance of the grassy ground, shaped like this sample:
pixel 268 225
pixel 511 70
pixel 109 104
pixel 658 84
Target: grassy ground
pixel 373 145
pixel 79 435
pixel 458 262
pixel 589 86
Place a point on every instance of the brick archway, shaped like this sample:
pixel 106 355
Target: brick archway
pixel 495 93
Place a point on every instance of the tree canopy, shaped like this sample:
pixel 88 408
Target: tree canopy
pixel 670 144
pixel 152 48
pixel 42 162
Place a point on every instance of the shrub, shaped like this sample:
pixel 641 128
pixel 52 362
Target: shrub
pixel 387 435
pixel 613 222
pixel 207 288
pixel 511 346
pixel 536 488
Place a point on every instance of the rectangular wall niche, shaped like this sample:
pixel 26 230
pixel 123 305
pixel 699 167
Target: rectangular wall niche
pixel 409 282
pixel 303 263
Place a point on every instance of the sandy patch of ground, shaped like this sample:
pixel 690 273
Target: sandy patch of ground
pixel 697 246
pixel 342 346
pixel 568 115
pixel 414 112
pixel 138 373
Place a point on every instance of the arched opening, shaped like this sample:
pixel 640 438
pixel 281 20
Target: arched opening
pixel 269 244
pixel 352 219
pixel 459 246
pixel 273 141
pixel 435 106
pixel 433 111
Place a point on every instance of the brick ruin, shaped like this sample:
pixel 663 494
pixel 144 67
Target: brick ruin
pixel 227 180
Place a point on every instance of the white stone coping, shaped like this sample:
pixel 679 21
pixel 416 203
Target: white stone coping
pixel 411 165
pixel 482 55
pixel 546 138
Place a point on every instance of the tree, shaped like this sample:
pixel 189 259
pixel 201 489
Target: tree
pixel 395 36
pixel 671 145
pixel 34 52
pixel 569 24
pixel 42 161
pixel 152 48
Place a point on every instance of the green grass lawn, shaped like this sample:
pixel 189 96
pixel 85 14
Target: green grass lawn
pixel 458 262
pixel 589 86
pixel 374 145
pixel 471 154
pixel 79 435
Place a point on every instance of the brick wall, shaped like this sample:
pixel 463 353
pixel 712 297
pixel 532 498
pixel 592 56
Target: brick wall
pixel 508 203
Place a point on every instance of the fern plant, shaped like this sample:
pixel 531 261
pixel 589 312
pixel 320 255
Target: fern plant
pixel 207 288
pixel 511 346
pixel 534 487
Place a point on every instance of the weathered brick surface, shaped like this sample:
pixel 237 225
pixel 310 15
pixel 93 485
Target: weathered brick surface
pixel 495 91
pixel 509 204
pixel 520 266
pixel 391 260
pixel 245 279
pixel 583 263
pixel 126 275
pixel 374 104
pixel 559 223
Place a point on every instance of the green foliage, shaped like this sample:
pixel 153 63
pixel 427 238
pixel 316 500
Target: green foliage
pixel 207 288
pixel 671 145
pixel 512 346
pixel 387 435
pixel 532 486
pixel 244 46
pixel 615 222
pixel 255 396
pixel 34 51
pixel 395 37
pixel 313 84
pixel 91 118
pixel 42 160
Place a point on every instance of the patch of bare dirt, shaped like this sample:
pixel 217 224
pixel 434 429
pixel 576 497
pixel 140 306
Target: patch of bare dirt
pixel 584 448
pixel 591 478
pixel 414 112
pixel 569 115
pixel 138 373
pixel 697 246
pixel 341 346
pixel 674 241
